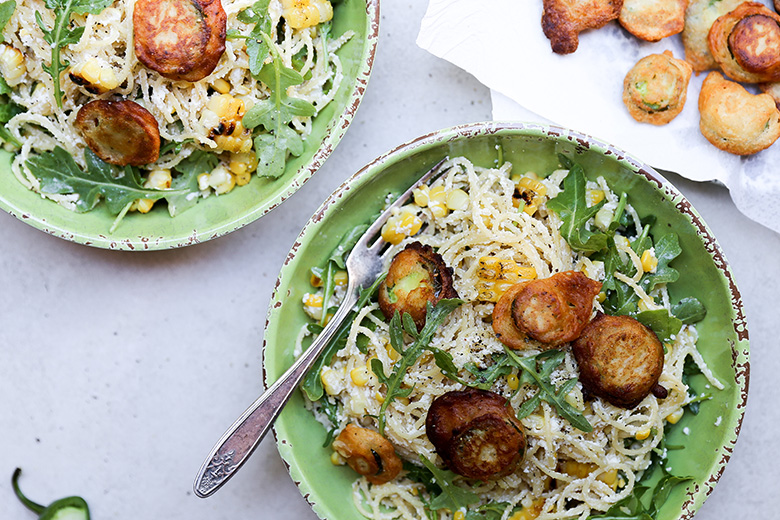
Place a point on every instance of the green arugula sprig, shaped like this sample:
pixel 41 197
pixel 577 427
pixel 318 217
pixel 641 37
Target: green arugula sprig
pixel 536 370
pixel 394 381
pixel 6 12
pixel 58 173
pixel 450 496
pixel 256 46
pixel 275 115
pixel 61 34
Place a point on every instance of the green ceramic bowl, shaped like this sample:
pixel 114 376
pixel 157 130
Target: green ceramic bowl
pixel 217 216
pixel 704 273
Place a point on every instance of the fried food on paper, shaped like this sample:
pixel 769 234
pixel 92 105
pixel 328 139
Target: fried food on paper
pixel 652 20
pixel 745 43
pixel 699 17
pixel 735 120
pixel 564 20
pixel 655 89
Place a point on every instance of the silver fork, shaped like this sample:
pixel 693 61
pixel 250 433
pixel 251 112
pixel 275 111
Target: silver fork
pixel 364 264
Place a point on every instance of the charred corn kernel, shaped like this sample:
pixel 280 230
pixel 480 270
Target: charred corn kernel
pixel 422 196
pixel 391 352
pixel 328 317
pixel 532 184
pixel 221 86
pixel 495 275
pixel 400 226
pixel 158 179
pixel 438 193
pixel 600 297
pixel 312 300
pixel 340 278
pixel 359 376
pixel 203 181
pixel 459 515
pixel 649 260
pixel 403 400
pixel 457 199
pixel 94 76
pixel 575 399
pixel 642 434
pixel 336 459
pixel 315 280
pixel 379 398
pixel 331 380
pixel 512 381
pixel 12 65
pixel 300 14
pixel 675 417
pixel 531 512
pixel 242 165
pixel 595 196
pixel 222 119
pixel 438 209
pixel 577 469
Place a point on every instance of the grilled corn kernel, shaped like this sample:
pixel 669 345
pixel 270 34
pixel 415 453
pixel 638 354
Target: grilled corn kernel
pixel 577 469
pixel 300 14
pixel 438 193
pixel 220 180
pixel 595 196
pixel 496 275
pixel 159 179
pixel 312 300
pixel 222 119
pixel 359 376
pixel 438 209
pixel 379 398
pixel 457 199
pixel 675 417
pixel 12 65
pixel 512 381
pixel 332 380
pixel 649 260
pixel 531 512
pixel 221 86
pixel 532 184
pixel 94 76
pixel 336 459
pixel 242 165
pixel 422 196
pixel 642 434
pixel 315 280
pixel 459 515
pixel 400 226
pixel 600 297
pixel 609 478
pixel 341 278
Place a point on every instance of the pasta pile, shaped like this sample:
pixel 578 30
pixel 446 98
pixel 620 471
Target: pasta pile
pixel 565 473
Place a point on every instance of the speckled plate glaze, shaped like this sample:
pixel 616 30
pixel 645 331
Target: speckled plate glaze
pixel 217 216
pixel 723 337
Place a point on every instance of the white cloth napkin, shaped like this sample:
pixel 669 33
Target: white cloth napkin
pixel 502 44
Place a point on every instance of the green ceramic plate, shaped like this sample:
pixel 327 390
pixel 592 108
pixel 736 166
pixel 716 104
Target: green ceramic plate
pixel 217 216
pixel 704 274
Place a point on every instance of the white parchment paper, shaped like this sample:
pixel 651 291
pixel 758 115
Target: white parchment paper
pixel 502 44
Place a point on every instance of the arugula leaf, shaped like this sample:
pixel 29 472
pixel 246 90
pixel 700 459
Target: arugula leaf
pixel 571 205
pixel 6 12
pixel 256 47
pixel 491 511
pixel 666 249
pixel 689 310
pixel 452 497
pixel 433 318
pixel 58 173
pixel 7 111
pixel 275 114
pixel 186 182
pixel 484 378
pixel 61 34
pixel 540 377
pixel 312 384
pixel 661 322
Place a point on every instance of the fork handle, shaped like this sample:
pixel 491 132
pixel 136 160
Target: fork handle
pixel 243 437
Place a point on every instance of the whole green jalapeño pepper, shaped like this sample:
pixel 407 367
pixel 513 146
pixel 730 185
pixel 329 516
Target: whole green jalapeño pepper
pixel 68 508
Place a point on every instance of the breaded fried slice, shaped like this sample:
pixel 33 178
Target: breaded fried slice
pixel 699 17
pixel 773 89
pixel 745 43
pixel 735 120
pixel 652 20
pixel 563 20
pixel 180 39
pixel 119 132
pixel 655 89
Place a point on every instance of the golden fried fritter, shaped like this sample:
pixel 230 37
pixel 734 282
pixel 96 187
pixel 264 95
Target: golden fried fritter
pixel 368 453
pixel 563 20
pixel 417 275
pixel 620 359
pixel 550 310
pixel 652 20
pixel 745 43
pixel 699 17
pixel 773 89
pixel 180 39
pixel 119 132
pixel 733 119
pixel 655 89
pixel 476 433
